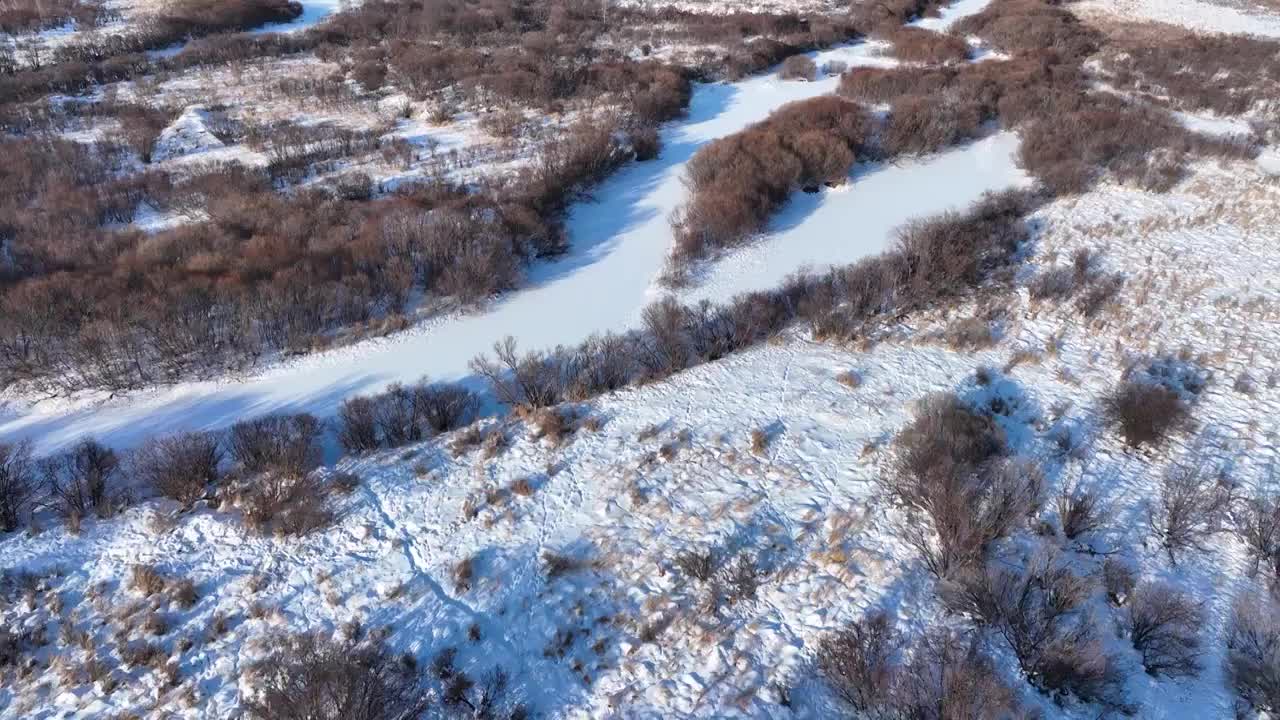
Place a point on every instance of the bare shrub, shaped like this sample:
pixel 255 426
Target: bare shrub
pixel 740 580
pixel 759 441
pixel 1192 505
pixel 1118 581
pixel 858 662
pixel 1252 662
pixel 558 564
pixel 287 444
pixel 358 425
pixel 310 678
pixel 969 334
pixel 532 381
pixel 1038 611
pixel 950 677
pixel 1058 283
pixel 946 469
pixel 464 573
pixel 1164 626
pixel 1100 293
pixel 147 580
pixel 1256 522
pixel 920 124
pixel 945 437
pixel 84 480
pixel 285 504
pixel 1080 511
pixel 798 67
pixel 700 566
pixel 1145 413
pixel 180 466
pixel 18 484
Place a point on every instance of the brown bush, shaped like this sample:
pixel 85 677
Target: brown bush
pixel 285 444
pixel 882 85
pixel 859 664
pixel 307 677
pixel 700 566
pixel 284 504
pixel 1029 27
pixel 180 466
pixel 18 484
pixel 947 470
pixel 1194 71
pixel 913 44
pixel 736 182
pixel 927 123
pixel 1118 581
pixel 1145 413
pixel 798 67
pixel 358 425
pixel 24 16
pixel 533 381
pixel 1164 626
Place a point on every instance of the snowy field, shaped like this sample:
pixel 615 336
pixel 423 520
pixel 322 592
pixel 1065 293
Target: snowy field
pixel 619 243
pixel 1214 16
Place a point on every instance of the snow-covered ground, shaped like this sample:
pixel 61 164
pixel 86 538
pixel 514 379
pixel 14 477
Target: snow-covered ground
pixel 1213 16
pixel 619 244
pixel 671 469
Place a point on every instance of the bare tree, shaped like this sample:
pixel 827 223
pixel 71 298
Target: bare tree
pixel 1164 626
pixel 83 480
pixel 1252 661
pixel 858 662
pixel 18 484
pixel 180 466
pixel 283 443
pixel 1256 522
pixel 949 678
pixel 532 381
pixel 1193 502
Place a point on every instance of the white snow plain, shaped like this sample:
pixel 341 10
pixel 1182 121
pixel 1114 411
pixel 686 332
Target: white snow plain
pixel 619 243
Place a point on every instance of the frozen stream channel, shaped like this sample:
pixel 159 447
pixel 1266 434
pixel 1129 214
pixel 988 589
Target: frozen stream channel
pixel 619 242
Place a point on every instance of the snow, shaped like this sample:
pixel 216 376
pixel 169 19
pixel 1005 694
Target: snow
pixel 619 245
pixel 313 11
pixel 189 134
pixel 1199 15
pixel 1213 125
pixel 947 16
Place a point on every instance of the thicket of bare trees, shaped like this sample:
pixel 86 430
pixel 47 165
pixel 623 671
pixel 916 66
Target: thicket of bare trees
pixel 403 415
pixel 737 182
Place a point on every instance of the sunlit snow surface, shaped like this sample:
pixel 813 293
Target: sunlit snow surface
pixel 619 243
